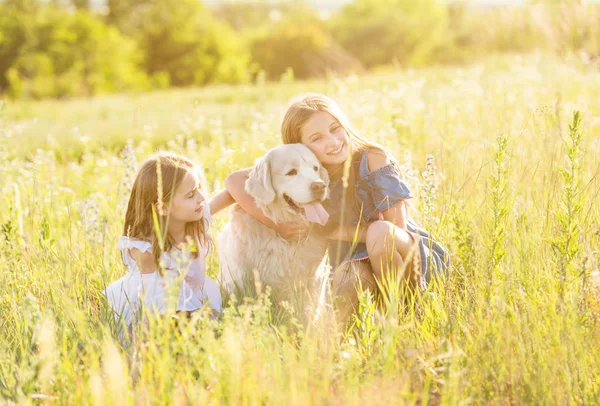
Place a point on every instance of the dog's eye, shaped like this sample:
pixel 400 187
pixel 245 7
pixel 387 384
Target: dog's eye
pixel 315 168
pixel 291 172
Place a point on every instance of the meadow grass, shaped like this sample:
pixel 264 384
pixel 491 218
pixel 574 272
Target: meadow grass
pixel 510 186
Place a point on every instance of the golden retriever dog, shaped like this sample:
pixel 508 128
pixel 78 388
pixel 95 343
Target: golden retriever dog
pixel 288 184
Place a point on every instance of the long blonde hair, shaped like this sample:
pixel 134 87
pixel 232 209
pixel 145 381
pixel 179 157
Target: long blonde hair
pixel 299 112
pixel 153 189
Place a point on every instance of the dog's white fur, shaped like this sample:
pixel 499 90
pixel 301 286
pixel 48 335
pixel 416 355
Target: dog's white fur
pixel 246 245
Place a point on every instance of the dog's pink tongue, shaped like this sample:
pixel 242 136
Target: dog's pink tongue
pixel 316 213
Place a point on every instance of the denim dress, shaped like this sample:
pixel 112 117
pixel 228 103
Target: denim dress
pixel 376 192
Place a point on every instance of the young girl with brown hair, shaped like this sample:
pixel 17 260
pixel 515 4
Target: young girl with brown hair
pixel 165 235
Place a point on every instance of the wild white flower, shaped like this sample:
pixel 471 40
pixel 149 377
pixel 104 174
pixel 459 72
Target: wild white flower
pixel 429 189
pixel 93 221
pixel 129 162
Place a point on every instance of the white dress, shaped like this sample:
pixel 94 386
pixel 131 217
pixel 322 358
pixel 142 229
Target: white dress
pixel 127 294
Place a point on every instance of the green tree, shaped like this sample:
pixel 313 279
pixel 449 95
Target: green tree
pixel 378 32
pixel 299 41
pixel 121 11
pixel 53 52
pixel 184 44
pixel 16 29
pixel 81 4
pixel 245 15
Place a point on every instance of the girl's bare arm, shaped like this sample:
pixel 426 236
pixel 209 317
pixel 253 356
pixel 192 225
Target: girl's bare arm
pixel 396 214
pixel 220 201
pixel 350 233
pixel 236 186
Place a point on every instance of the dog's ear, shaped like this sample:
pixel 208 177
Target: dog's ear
pixel 259 183
pixel 324 175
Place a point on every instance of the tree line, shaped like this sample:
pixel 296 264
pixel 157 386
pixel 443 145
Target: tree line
pixel 60 48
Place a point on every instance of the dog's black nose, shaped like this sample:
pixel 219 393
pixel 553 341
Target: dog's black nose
pixel 318 186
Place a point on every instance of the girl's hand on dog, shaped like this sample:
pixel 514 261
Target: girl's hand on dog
pixel 292 231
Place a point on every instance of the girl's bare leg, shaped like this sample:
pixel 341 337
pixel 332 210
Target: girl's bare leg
pixel 346 282
pixel 389 247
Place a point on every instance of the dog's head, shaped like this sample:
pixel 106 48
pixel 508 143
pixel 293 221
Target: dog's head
pixel 286 179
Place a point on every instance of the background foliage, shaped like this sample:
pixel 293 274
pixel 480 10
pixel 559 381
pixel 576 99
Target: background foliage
pixel 64 48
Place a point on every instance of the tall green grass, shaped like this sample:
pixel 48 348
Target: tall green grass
pixel 513 195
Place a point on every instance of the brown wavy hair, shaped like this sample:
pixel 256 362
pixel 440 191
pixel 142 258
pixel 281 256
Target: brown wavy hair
pixel 154 186
pixel 299 112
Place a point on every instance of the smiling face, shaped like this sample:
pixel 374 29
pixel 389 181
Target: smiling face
pixel 326 138
pixel 188 201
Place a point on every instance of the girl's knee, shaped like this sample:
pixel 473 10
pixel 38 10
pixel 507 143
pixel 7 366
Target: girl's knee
pixel 379 228
pixel 379 235
pixel 383 237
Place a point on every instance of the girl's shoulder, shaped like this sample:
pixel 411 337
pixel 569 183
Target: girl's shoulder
pixel 380 177
pixel 375 162
pixel 136 254
pixel 127 243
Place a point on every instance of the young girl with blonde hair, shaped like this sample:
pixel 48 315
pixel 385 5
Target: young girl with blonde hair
pixel 370 227
pixel 167 192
